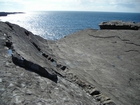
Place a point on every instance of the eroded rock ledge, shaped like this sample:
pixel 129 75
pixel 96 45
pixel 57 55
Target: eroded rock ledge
pixel 31 74
pixel 90 67
pixel 120 25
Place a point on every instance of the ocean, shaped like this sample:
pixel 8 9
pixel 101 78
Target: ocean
pixel 53 25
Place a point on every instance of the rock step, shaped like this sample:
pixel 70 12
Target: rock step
pixel 119 25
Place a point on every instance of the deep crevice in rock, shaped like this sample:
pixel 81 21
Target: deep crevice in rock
pixel 9 24
pixel 8 41
pixel 132 50
pixel 49 58
pixel 30 66
pixel 27 32
pixel 90 89
pixel 132 43
pixel 125 40
pixel 45 55
pixel 54 62
pixel 105 37
pixel 64 68
pixel 95 92
pixel 36 46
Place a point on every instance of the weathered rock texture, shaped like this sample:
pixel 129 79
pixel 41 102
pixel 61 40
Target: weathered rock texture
pixel 107 59
pixel 30 74
pixel 90 67
pixel 120 25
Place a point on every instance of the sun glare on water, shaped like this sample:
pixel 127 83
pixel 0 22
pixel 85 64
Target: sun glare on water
pixel 25 20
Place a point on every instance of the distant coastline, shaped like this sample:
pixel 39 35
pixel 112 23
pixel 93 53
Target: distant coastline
pixel 8 13
pixel 54 25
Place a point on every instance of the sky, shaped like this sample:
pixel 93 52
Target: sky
pixel 71 5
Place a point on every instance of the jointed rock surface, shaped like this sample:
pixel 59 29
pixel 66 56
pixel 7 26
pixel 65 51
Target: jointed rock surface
pixel 90 67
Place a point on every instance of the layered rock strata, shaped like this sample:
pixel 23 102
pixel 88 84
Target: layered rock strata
pixel 90 67
pixel 120 25
pixel 31 75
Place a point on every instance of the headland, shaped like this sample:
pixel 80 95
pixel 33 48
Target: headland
pixel 8 13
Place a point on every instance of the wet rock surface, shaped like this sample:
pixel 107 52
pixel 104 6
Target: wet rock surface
pixel 90 67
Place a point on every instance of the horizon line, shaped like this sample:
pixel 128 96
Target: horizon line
pixel 71 11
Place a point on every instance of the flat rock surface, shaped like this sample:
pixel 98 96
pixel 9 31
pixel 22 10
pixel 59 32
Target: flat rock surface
pixel 90 67
pixel 108 59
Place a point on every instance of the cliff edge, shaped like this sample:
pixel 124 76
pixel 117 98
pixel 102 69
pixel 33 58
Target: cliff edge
pixel 116 24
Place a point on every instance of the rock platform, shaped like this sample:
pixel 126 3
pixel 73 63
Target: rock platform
pixel 115 24
pixel 90 67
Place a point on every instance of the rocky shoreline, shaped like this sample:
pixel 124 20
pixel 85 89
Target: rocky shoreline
pixel 8 13
pixel 90 67
pixel 120 25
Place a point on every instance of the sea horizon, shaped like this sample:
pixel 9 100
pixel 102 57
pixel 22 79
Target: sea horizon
pixel 57 24
pixel 70 11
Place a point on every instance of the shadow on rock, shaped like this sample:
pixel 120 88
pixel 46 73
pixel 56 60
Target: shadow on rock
pixel 30 66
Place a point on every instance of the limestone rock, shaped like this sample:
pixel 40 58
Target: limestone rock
pixel 90 67
pixel 120 25
pixel 28 77
pixel 107 60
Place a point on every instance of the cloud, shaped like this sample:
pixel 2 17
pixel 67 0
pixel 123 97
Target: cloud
pixel 88 5
pixel 116 5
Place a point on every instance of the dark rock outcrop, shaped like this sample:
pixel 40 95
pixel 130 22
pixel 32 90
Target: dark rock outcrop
pixel 18 60
pixel 120 25
pixel 8 13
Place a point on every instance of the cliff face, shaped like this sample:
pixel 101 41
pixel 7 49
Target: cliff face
pixel 90 67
